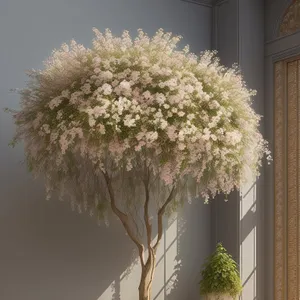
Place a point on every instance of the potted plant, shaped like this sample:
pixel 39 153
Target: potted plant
pixel 220 276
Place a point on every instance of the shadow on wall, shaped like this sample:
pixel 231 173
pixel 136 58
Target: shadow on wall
pixel 52 253
pixel 184 246
pixel 193 246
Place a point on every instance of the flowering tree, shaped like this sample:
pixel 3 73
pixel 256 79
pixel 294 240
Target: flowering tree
pixel 135 127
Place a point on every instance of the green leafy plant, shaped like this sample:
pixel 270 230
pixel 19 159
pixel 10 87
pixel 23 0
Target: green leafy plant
pixel 220 274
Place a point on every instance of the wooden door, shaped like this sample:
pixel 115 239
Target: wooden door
pixel 287 179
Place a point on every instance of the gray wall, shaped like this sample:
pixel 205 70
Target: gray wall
pixel 247 32
pixel 239 38
pixel 251 237
pixel 225 41
pixel 48 252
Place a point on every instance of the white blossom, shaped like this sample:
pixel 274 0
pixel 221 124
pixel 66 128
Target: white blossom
pixel 124 101
pixel 107 89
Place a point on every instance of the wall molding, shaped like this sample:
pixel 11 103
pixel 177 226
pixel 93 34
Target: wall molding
pixel 286 54
pixel 214 5
pixel 282 44
pixel 215 22
pixel 207 3
pixel 219 2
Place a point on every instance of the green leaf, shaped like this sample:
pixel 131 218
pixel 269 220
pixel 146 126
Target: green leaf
pixel 220 274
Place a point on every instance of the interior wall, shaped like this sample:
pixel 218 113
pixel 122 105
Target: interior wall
pixel 239 38
pixel 225 41
pixel 251 238
pixel 47 251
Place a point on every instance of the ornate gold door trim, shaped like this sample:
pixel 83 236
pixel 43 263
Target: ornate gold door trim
pixel 286 179
pixel 290 22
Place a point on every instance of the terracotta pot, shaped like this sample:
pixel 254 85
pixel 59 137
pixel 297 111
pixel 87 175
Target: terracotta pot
pixel 220 297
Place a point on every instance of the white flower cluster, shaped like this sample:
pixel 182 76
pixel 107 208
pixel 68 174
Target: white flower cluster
pixel 124 101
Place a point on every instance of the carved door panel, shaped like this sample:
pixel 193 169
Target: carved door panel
pixel 287 179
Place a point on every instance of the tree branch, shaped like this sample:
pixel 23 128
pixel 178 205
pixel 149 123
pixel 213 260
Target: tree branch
pixel 160 217
pixel 146 210
pixel 134 222
pixel 123 218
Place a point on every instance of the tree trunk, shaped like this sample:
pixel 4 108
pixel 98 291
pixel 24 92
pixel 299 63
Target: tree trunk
pixel 147 277
pixel 148 267
pixel 145 289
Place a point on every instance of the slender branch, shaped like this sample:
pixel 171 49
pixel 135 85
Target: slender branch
pixel 146 209
pixel 160 217
pixel 154 181
pixel 123 218
pixel 134 222
pixel 141 227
